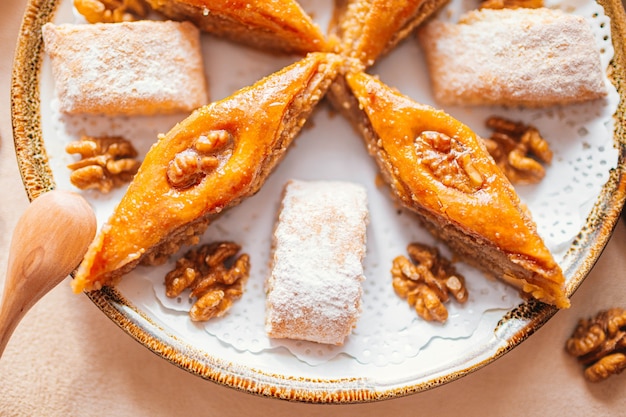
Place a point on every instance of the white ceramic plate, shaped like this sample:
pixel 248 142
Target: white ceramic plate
pixel 391 351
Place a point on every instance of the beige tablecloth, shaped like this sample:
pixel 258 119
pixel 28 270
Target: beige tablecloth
pixel 67 359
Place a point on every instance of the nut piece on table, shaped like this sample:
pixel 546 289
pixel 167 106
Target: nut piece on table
pixel 427 281
pixel 600 344
pixel 213 276
pixel 518 149
pixel 105 163
pixel 112 11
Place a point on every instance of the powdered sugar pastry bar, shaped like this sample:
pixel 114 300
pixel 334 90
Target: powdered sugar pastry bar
pixel 528 57
pixel 129 68
pixel 314 288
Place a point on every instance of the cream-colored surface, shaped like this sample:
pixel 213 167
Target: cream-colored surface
pixel 67 359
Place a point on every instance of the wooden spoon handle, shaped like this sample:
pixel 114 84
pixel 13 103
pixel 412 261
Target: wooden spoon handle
pixel 49 241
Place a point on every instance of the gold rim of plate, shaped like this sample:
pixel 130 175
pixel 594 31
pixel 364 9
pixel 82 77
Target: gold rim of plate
pixel 513 328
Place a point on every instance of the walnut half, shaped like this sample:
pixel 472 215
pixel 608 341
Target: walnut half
pixel 112 11
pixel 599 344
pixel 518 149
pixel 106 162
pixel 214 277
pixel 427 281
pixel 191 165
pixel 449 161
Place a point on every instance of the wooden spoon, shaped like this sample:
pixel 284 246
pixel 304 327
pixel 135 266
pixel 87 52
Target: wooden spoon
pixel 49 241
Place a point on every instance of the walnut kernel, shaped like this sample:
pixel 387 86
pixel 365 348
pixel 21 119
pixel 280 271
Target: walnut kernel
pixel 106 162
pixel 426 281
pixel 518 149
pixel 191 165
pixel 214 284
pixel 599 344
pixel 449 161
pixel 605 367
pixel 112 11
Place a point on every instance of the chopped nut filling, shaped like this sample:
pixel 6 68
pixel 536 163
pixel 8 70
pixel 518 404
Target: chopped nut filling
pixel 190 166
pixel 600 344
pixel 426 281
pixel 518 149
pixel 112 11
pixel 106 162
pixel 214 277
pixel 449 161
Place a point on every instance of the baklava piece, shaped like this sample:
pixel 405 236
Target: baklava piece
pixel 367 29
pixel 276 25
pixel 438 168
pixel 211 161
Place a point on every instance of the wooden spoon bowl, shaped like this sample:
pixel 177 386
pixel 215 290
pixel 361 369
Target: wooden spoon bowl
pixel 49 241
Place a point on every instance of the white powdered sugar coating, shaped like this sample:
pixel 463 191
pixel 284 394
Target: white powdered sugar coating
pixel 530 57
pixel 129 68
pixel 314 290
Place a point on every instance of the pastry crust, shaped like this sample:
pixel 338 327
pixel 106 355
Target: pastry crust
pixel 527 57
pixel 314 289
pixel 160 211
pixel 454 187
pixel 152 67
pixel 275 25
pixel 368 29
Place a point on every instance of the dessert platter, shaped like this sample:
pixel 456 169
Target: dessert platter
pixel 319 144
